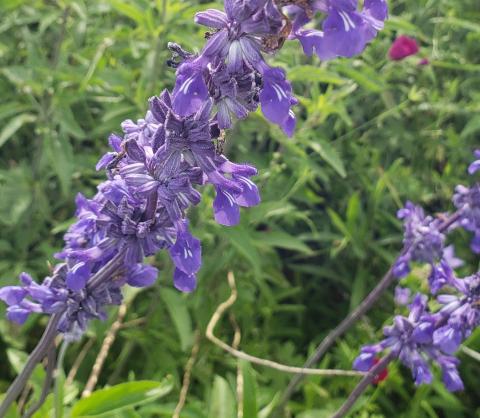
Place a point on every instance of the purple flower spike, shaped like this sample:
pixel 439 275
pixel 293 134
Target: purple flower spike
pixel 416 341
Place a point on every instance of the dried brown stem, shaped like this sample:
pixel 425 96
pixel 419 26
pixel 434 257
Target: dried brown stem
pixel 78 361
pixel 217 315
pixel 187 376
pixel 104 350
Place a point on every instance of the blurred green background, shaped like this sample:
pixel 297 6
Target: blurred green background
pixel 372 133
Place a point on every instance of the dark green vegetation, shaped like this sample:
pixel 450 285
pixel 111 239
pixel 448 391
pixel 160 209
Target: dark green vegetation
pixel 372 134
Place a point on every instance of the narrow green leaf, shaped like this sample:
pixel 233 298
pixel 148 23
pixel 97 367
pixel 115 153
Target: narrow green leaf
pixel 60 155
pixel 329 154
pixel 123 396
pixel 14 125
pixel 249 391
pixel 222 401
pixel 177 308
pixel 311 73
pixel 129 10
pixel 242 241
pixel 281 239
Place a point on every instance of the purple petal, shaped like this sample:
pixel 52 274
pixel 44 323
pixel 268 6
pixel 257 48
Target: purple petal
pixel 225 209
pixel 447 338
pixel 474 167
pixel 186 253
pixel 402 296
pixel 142 276
pixel 18 314
pixel 184 282
pixel 216 46
pixel 115 142
pixel 347 32
pixel 401 267
pixel 421 373
pixel 249 196
pixel 105 161
pixel 288 126
pixel 211 18
pixel 451 378
pixel 275 96
pixel 313 41
pixel 12 295
pixel 190 90
pixel 77 277
pixel 378 9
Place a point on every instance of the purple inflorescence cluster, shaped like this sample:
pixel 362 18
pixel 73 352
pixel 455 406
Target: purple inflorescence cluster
pixel 156 166
pixel 425 336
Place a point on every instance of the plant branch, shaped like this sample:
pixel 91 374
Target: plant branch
pixel 104 350
pixel 47 384
pixel 35 357
pixel 363 385
pixel 187 376
pixel 217 315
pixel 78 361
pixel 470 353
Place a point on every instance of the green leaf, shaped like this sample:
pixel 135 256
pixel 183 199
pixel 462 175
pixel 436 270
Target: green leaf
pixel 222 401
pixel 109 401
pixel 249 391
pixel 281 239
pixel 364 76
pixel 242 241
pixel 177 308
pixel 311 73
pixel 12 411
pixel 60 155
pixel 14 125
pixel 329 154
pixel 16 194
pixel 67 121
pixel 128 10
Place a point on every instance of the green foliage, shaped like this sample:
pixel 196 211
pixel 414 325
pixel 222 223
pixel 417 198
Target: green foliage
pixel 372 134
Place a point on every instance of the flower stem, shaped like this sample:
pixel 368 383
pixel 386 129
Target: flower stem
pixel 363 384
pixel 35 357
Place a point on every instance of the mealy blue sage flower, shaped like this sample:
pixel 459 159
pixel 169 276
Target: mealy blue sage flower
pixel 412 340
pixel 156 166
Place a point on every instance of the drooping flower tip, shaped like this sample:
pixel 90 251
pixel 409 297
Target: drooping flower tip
pixel 475 166
pixel 403 47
